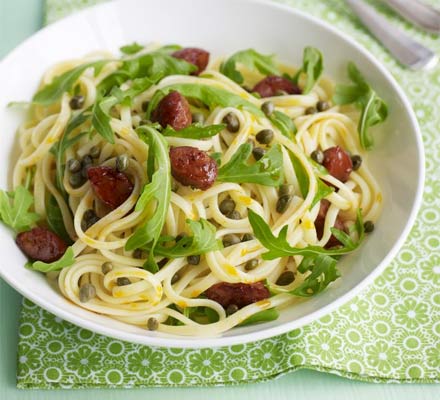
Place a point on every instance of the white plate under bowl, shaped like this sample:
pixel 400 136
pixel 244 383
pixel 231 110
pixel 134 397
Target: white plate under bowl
pixel 222 27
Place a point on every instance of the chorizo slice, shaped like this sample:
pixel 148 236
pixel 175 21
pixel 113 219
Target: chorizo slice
pixel 338 163
pixel 193 167
pixel 193 55
pixel 240 294
pixel 273 85
pixel 110 186
pixel 173 110
pixel 320 221
pixel 41 244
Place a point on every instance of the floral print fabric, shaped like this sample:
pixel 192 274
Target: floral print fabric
pixel 390 332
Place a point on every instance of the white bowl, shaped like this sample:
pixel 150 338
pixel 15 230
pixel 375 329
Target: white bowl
pixel 222 27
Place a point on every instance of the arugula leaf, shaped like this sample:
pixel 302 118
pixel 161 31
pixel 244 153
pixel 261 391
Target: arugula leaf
pixel 66 260
pixel 202 241
pixel 155 194
pixel 312 67
pixel 301 176
pixel 162 63
pixel 101 118
pixel 194 131
pixel 201 315
pixel 285 124
pixel 14 209
pixel 323 272
pixel 373 109
pixel 60 147
pixel 101 109
pixel 158 62
pixel 263 316
pixel 63 83
pixel 267 171
pixel 131 48
pixel 209 95
pixel 323 190
pixel 217 157
pixel 19 104
pixel 55 219
pixel 252 60
pixel 280 247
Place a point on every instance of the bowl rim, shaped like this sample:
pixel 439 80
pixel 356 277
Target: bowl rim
pixel 220 341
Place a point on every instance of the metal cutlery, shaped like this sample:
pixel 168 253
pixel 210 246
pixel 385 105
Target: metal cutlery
pixel 417 12
pixel 405 49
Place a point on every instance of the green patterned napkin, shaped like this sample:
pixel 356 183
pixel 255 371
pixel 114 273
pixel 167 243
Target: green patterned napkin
pixel 389 333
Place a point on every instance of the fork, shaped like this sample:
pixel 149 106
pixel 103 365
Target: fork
pixel 419 13
pixel 405 49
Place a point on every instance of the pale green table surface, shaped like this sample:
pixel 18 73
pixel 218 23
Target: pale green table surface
pixel 18 20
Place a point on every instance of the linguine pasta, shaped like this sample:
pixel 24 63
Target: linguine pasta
pixel 173 293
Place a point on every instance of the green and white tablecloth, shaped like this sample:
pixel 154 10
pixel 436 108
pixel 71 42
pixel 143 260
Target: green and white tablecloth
pixel 388 333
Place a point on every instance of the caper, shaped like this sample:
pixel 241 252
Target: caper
pixel 251 264
pixel 265 136
pixel 268 108
pixel 86 162
pixel 76 180
pixel 152 324
pixel 234 215
pixel 175 278
pixel 322 105
pixel 193 260
pixel 285 190
pixel 174 185
pixel 368 226
pixel 180 236
pixel 283 203
pixel 121 162
pixel 356 161
pixel 138 253
pixel 145 105
pixel 77 102
pixel 232 123
pixel 317 156
pixel 258 153
pixel 286 278
pixel 247 236
pixel 106 267
pixel 162 262
pixel 311 110
pixel 227 206
pixel 230 240
pixel 198 118
pixel 123 281
pixel 231 309
pixel 73 165
pixel 89 218
pixel 94 152
pixel 87 292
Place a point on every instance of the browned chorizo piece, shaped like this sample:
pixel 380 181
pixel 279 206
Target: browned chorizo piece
pixel 239 294
pixel 193 55
pixel 173 110
pixel 320 221
pixel 338 163
pixel 193 167
pixel 275 85
pixel 110 186
pixel 41 244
